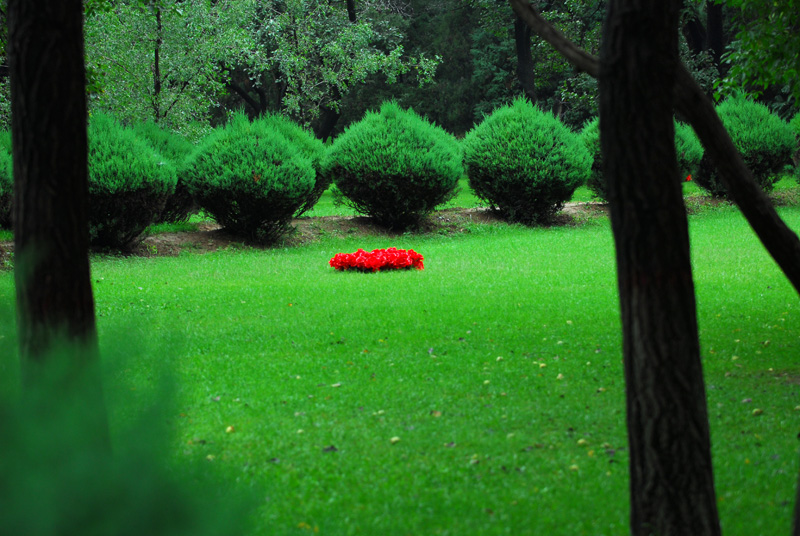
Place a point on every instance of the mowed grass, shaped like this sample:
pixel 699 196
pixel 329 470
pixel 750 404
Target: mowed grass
pixel 496 369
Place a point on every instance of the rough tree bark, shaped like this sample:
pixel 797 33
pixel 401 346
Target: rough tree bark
pixel 671 478
pixel 55 306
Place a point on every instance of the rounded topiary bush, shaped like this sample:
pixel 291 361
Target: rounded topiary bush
pixel 6 181
pixel 309 146
pixel 251 179
pixel 174 147
pixel 764 141
pixel 525 163
pixel 688 150
pixel 129 183
pixel 394 166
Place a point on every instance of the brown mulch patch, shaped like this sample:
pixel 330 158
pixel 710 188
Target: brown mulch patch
pixel 209 237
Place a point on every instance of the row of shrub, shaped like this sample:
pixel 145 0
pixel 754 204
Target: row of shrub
pixel 253 177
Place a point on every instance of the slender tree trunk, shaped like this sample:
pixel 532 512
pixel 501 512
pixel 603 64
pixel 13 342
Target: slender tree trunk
pixel 55 306
pixel 351 10
pixel 671 480
pixel 157 66
pixel 525 64
pixel 714 26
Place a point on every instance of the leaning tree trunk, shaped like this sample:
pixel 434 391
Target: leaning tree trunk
pixel 55 306
pixel 671 480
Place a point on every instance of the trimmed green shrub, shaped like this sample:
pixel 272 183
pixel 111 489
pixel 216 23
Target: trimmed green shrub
pixel 251 179
pixel 174 147
pixel 794 124
pixel 764 141
pixel 590 136
pixel 309 146
pixel 129 183
pixel 6 180
pixel 394 166
pixel 688 150
pixel 525 163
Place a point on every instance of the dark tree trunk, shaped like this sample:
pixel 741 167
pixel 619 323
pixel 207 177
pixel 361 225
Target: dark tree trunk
pixel 671 480
pixel 695 35
pixel 525 64
pixel 714 27
pixel 328 119
pixel 55 306
pixel 351 10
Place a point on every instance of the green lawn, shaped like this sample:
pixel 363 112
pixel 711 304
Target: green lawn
pixel 497 369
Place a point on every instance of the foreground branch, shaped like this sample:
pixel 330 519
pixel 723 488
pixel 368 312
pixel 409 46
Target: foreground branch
pixel 780 241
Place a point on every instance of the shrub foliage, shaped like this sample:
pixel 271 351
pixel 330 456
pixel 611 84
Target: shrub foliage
pixel 129 183
pixel 394 166
pixel 309 146
pixel 764 141
pixel 688 150
pixel 251 179
pixel 6 181
pixel 794 124
pixel 175 148
pixel 525 163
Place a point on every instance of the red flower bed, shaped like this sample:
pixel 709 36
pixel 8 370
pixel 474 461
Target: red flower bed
pixel 378 259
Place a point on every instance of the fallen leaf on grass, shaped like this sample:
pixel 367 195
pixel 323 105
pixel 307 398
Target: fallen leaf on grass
pixel 330 448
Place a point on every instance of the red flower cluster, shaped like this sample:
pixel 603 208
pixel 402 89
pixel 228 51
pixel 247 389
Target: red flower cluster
pixel 378 259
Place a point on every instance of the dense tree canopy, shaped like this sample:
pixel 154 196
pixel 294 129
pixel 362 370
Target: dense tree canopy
pixel 185 63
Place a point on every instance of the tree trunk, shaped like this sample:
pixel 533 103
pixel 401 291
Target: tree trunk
pixel 525 64
pixel 55 306
pixel 157 65
pixel 671 480
pixel 714 26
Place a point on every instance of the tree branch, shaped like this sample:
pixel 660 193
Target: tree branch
pixel 239 90
pixel 780 241
pixel 579 58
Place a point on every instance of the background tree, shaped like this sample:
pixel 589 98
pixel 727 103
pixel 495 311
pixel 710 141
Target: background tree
pixel 55 306
pixel 5 89
pixel 158 59
pixel 764 55
pixel 307 55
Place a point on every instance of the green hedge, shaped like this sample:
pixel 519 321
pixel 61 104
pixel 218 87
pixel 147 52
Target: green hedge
pixel 308 145
pixel 174 147
pixel 251 179
pixel 794 124
pixel 525 163
pixel 688 150
pixel 765 142
pixel 394 166
pixel 6 180
pixel 129 183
